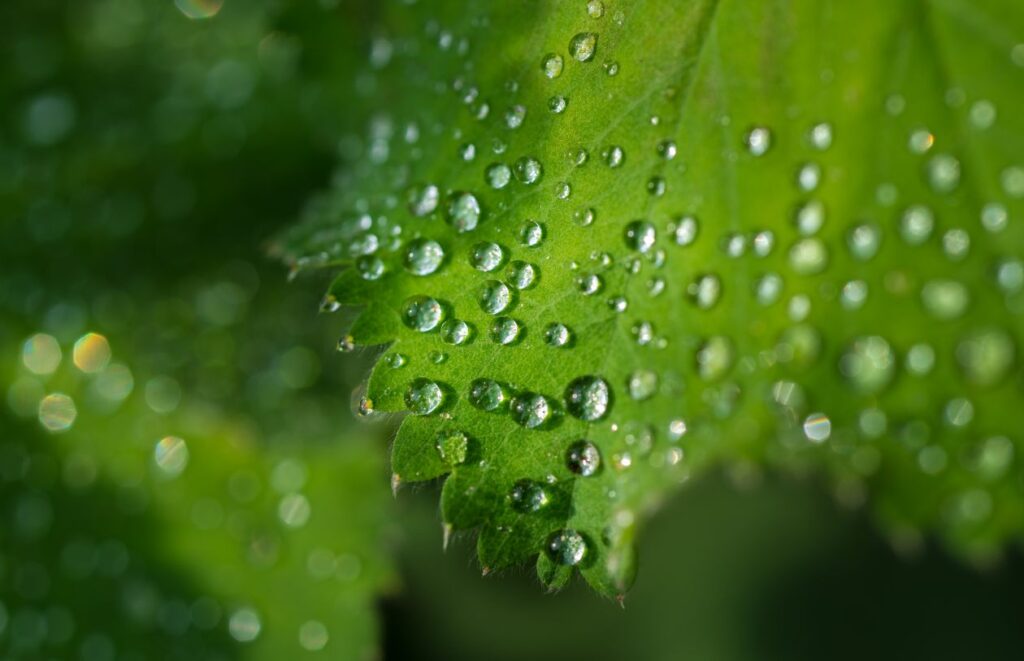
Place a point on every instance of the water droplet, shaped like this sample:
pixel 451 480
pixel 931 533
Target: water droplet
pixel 346 343
pixel 854 294
pixel 515 116
pixel 810 217
pixel 531 410
pixel 920 359
pixel 642 384
pixel 1012 179
pixel 714 358
pixel 982 114
pixel 527 496
pixel 396 360
pixel 424 396
pixel 313 636
pixel 552 65
pixel 943 173
pixel 705 291
pixel 531 234
pixel 768 288
pixel 370 267
pixel 505 331
pixel 456 331
pixel 423 256
pixel 820 136
pixel 869 363
pixel 1010 275
pixel 487 395
pixel 945 299
pixel 486 256
pixel 817 428
pixel 588 398
pixel 808 256
pixel 557 335
pixel 422 313
pixel 613 156
pixel 656 186
pixel 959 412
pixel 758 140
pixel 584 217
pixel 808 177
pixel 467 152
pixel 686 229
pixel 589 284
pixel 956 243
pixel 498 175
pixel 423 200
pixel 567 548
pixel 583 45
pixel 528 170
pixel 452 447
pixel 764 243
pixel 994 217
pixel 557 104
pixel 916 224
pixel 583 458
pixel 667 149
pixel 463 212
pixel 640 235
pixel 864 241
pixel 244 625
pixel 495 297
pixel 522 275
pixel 171 455
pixel 986 356
pixel 921 140
pixel 595 8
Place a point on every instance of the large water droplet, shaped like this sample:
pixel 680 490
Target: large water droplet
pixel 422 313
pixel 486 256
pixel 463 211
pixel 588 398
pixel 527 496
pixel 640 235
pixel 567 547
pixel 528 170
pixel 583 45
pixel 495 297
pixel 424 396
pixel 505 330
pixel 423 256
pixel 531 410
pixel 487 395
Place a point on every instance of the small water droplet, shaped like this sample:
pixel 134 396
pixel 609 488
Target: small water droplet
pixel 527 496
pixel 456 331
pixel 552 65
pixel 705 291
pixel 531 410
pixel 613 156
pixel 557 335
pixel 423 200
pixel 583 458
pixel 820 136
pixel 686 229
pixel 498 175
pixel 521 275
pixel 945 299
pixel 640 235
pixel 531 234
pixel 515 116
pixel 817 428
pixel 528 170
pixel 916 224
pixel 758 140
pixel 642 384
pixel 495 297
pixel 505 330
pixel 667 149
pixel 557 104
pixel 452 447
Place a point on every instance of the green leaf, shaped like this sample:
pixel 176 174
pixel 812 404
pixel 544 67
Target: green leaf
pixel 783 234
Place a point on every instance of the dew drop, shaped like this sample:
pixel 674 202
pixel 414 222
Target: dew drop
pixel 595 8
pixel 527 496
pixel 584 217
pixel 986 356
pixel 557 335
pixel 613 156
pixel 583 45
pixel 583 458
pixel 486 256
pixel 452 447
pixel 531 234
pixel 943 173
pixel 869 363
pixel 589 284
pixel 994 217
pixel 423 200
pixel 557 104
pixel 528 170
pixel 758 140
pixel 423 256
pixel 916 224
pixel 422 313
pixel 531 410
pixel 505 330
pixel 714 358
pixel 588 398
pixel 567 548
pixel 945 299
pixel 521 275
pixel 487 395
pixel 370 267
pixel 642 384
pixel 515 116
pixel 424 396
pixel 498 175
pixel 456 331
pixel 667 149
pixel 864 241
pixel 495 297
pixel 820 136
pixel 552 65
pixel 686 229
pixel 808 256
pixel 817 428
pixel 640 235
pixel 705 291
pixel 463 212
